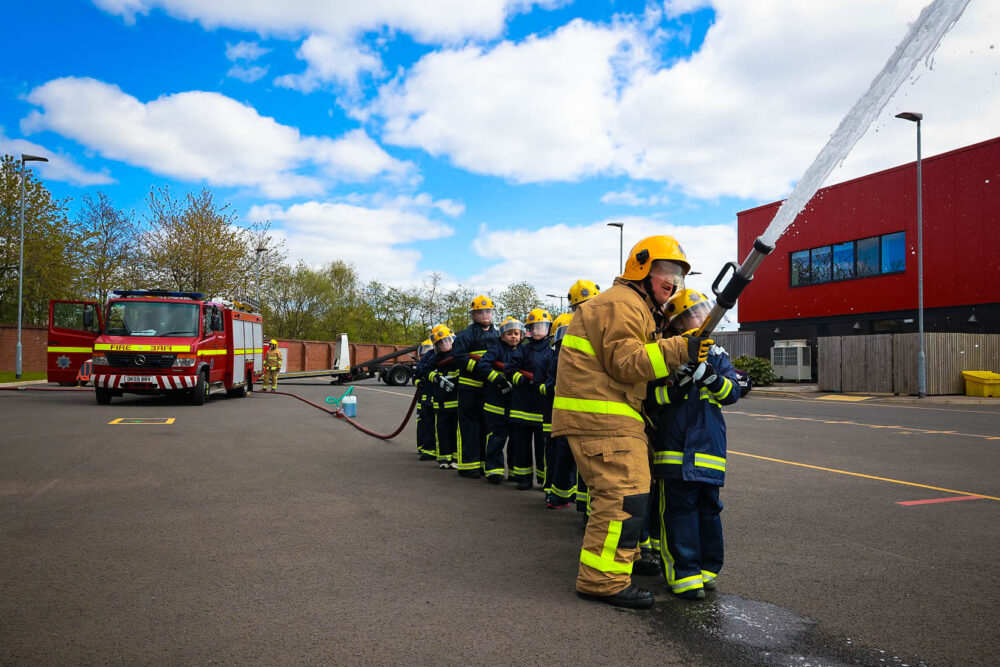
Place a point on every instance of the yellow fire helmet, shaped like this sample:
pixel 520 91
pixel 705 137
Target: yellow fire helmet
pixel 538 315
pixel 559 327
pixel 510 324
pixel 425 347
pixel 274 343
pixel 441 332
pixel 582 290
pixel 481 302
pixel 687 309
pixel 645 252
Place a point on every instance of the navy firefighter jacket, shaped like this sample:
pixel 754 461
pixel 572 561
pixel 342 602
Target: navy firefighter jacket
pixel 473 339
pixel 428 372
pixel 690 439
pixel 420 379
pixel 546 378
pixel 497 404
pixel 528 403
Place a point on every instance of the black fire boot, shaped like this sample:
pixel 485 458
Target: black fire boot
pixel 631 597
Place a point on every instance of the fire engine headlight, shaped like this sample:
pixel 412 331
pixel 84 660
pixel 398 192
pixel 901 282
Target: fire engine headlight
pixel 99 360
pixel 185 361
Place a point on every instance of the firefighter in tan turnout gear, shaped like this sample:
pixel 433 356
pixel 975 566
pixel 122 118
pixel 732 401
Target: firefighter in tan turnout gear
pixel 272 364
pixel 610 351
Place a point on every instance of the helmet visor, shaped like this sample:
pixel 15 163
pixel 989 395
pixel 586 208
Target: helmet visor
pixel 559 334
pixel 692 317
pixel 482 315
pixel 511 325
pixel 540 328
pixel 444 345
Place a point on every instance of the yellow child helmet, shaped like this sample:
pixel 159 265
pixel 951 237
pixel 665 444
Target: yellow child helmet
pixel 425 347
pixel 687 309
pixel 538 321
pixel 645 252
pixel 481 302
pixel 440 331
pixel 559 327
pixel 511 324
pixel 582 290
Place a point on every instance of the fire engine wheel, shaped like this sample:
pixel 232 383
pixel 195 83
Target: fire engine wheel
pixel 199 394
pixel 103 396
pixel 397 376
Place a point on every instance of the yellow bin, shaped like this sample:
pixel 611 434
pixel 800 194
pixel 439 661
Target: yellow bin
pixel 982 383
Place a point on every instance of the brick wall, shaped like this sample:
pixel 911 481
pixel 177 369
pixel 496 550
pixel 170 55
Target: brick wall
pixel 34 340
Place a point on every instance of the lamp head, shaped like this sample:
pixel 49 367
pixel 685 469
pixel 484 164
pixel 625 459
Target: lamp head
pixel 32 158
pixel 911 116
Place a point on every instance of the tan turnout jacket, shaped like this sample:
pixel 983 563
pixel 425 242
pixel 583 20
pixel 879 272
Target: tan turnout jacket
pixel 609 353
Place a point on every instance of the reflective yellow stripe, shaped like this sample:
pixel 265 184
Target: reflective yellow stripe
pixel 88 350
pixel 727 387
pixel 210 353
pixel 546 428
pixel 595 406
pixel 659 364
pixel 470 382
pixel 662 395
pixel 469 366
pixel 606 561
pixel 451 404
pixel 543 390
pixel 528 416
pixel 492 376
pixel 686 584
pixel 668 456
pixel 495 409
pixel 517 378
pixel 479 352
pixel 578 343
pixel 709 461
pixel 142 348
pixel 708 576
pixel 707 395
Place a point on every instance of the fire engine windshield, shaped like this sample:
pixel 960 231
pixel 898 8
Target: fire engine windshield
pixel 152 318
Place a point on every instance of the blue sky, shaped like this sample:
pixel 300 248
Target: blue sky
pixel 492 140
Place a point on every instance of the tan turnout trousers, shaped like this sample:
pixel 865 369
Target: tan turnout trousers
pixel 616 470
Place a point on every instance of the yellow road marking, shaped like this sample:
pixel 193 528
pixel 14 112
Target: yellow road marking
pixel 858 474
pixel 843 397
pixel 890 427
pixel 142 420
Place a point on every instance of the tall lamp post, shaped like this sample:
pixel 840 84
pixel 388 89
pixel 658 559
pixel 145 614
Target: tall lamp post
pixel 915 117
pixel 560 297
pixel 621 247
pixel 258 250
pixel 20 270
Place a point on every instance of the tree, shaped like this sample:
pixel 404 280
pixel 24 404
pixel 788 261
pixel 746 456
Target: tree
pixel 195 245
pixel 51 246
pixel 517 300
pixel 109 257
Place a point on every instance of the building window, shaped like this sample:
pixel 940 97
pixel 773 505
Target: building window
pixel 863 258
pixel 821 267
pixel 893 253
pixel 800 268
pixel 843 261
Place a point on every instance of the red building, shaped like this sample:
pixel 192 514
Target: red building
pixel 848 264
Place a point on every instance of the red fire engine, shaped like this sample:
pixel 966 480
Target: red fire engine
pixel 156 342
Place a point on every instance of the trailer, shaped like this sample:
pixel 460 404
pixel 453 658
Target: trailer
pixel 358 361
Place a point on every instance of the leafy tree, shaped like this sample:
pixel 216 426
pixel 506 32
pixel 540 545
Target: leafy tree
pixel 517 300
pixel 51 246
pixel 109 258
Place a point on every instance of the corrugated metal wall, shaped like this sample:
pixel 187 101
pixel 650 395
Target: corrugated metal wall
pixel 737 343
pixel 887 363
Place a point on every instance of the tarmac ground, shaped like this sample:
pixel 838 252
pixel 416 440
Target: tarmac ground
pixel 263 530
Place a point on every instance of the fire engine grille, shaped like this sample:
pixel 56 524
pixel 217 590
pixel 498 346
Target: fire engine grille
pixel 150 360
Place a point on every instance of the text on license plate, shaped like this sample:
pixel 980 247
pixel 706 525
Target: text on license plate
pixel 138 378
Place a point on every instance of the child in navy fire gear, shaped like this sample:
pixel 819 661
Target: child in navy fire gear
pixel 689 457
pixel 527 405
pixel 560 467
pixel 426 446
pixel 496 406
pixel 440 371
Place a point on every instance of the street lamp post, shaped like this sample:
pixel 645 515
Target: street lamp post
pixel 621 247
pixel 20 266
pixel 258 251
pixel 560 297
pixel 921 357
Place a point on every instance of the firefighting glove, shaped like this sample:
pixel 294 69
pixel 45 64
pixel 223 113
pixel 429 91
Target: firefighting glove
pixel 503 384
pixel 705 375
pixel 682 376
pixel 445 383
pixel 698 347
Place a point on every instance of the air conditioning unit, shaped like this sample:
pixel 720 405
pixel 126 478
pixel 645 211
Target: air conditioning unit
pixel 792 360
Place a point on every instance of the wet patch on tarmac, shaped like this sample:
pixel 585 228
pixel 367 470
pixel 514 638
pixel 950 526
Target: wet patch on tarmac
pixel 725 629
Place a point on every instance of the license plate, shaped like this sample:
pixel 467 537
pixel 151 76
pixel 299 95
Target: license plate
pixel 139 378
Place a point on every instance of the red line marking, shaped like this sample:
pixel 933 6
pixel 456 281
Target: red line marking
pixel 939 500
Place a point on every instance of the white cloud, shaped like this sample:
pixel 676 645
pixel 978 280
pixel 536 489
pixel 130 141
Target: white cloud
pixel 743 116
pixel 629 197
pixel 332 59
pixel 373 233
pixel 247 51
pixel 60 167
pixel 592 252
pixel 204 136
pixel 247 74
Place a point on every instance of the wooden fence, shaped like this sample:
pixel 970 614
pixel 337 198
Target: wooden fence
pixel 737 343
pixel 887 363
